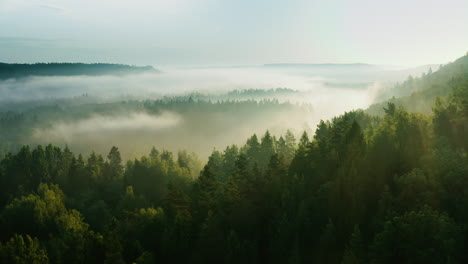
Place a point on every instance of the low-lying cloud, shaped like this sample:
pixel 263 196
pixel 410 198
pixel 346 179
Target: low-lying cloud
pixel 180 81
pixel 107 126
pixel 135 131
pixel 174 82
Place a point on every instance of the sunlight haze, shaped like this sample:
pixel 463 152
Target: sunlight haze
pixel 209 32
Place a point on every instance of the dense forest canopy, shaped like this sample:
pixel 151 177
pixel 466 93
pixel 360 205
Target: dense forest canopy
pixel 361 188
pixel 16 70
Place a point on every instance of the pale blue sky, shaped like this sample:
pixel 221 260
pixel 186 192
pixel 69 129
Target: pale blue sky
pixel 237 32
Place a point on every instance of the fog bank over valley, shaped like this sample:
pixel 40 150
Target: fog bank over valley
pixel 187 108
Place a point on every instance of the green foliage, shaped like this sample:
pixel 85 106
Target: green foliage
pixel 418 94
pixel 23 250
pixel 355 251
pixel 361 189
pixel 423 236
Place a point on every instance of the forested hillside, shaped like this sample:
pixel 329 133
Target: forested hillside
pixel 418 94
pixel 361 189
pixel 16 70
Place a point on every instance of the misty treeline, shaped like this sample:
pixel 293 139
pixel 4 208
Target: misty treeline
pixel 283 94
pixel 197 124
pixel 276 95
pixel 417 94
pixel 361 189
pixel 17 70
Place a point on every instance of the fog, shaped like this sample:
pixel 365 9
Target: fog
pixel 171 82
pixel 136 133
pixel 96 112
pixel 179 81
pixel 107 125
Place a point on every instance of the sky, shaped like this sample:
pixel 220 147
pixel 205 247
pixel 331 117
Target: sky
pixel 236 32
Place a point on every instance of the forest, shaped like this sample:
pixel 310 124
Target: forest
pixel 418 94
pixel 389 187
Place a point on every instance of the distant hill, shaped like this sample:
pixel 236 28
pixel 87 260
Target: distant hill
pixel 320 65
pixel 422 91
pixel 15 70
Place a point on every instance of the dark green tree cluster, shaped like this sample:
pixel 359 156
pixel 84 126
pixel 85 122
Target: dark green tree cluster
pixel 61 208
pixel 17 70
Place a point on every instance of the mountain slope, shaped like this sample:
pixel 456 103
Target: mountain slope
pixel 425 89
